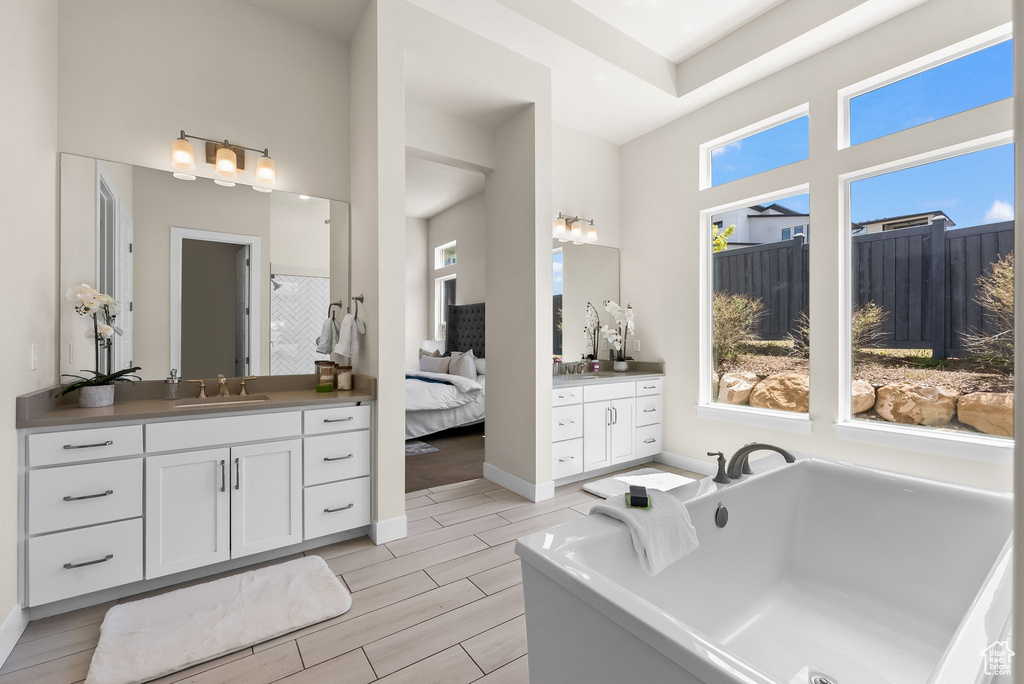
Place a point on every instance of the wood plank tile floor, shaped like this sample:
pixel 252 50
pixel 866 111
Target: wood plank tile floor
pixel 442 606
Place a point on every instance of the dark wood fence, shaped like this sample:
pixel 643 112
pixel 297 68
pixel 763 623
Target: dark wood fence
pixel 925 279
pixel 557 324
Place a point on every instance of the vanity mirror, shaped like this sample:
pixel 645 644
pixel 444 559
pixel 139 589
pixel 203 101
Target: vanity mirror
pixel 582 273
pixel 209 279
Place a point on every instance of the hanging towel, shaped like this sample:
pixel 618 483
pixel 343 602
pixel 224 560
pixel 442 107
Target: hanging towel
pixel 329 335
pixel 661 534
pixel 348 338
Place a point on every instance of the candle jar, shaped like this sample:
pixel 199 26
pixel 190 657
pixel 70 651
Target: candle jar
pixel 324 376
pixel 343 377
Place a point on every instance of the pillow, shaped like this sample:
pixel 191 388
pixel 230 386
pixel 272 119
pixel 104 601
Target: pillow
pixel 424 352
pixel 464 364
pixel 434 364
pixel 480 366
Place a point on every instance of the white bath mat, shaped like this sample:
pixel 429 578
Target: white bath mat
pixel 146 639
pixel 652 478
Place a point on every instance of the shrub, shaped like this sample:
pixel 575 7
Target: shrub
pixel 734 321
pixel 995 295
pixel 801 337
pixel 867 327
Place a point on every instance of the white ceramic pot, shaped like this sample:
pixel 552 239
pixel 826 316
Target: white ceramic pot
pixel 95 396
pixel 620 366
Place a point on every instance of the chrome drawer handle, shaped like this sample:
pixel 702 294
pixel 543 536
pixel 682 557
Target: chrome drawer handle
pixel 88 496
pixel 650 410
pixel 72 566
pixel 223 480
pixel 571 422
pixel 563 460
pixel 650 386
pixel 338 420
pixel 338 458
pixel 88 446
pixel 650 440
pixel 335 510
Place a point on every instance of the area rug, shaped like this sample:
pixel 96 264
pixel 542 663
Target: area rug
pixel 414 447
pixel 153 637
pixel 652 478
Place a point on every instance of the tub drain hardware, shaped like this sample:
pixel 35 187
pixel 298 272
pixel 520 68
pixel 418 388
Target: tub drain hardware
pixel 822 679
pixel 722 519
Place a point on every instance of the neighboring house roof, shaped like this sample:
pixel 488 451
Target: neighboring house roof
pixel 786 211
pixel 886 219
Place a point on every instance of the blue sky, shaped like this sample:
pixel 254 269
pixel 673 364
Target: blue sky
pixel 556 276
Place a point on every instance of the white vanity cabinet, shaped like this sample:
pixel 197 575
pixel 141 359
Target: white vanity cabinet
pixel 266 497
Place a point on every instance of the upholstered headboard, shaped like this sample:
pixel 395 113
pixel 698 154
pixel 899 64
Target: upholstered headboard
pixel 465 329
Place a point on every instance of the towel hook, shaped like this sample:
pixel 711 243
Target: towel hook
pixel 359 300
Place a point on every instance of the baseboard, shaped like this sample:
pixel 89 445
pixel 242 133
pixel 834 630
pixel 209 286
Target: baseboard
pixel 527 490
pixel 697 465
pixel 385 531
pixel 11 630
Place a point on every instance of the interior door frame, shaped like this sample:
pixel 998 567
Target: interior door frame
pixel 178 235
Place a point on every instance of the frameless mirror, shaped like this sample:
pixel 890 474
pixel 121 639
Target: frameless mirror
pixel 582 274
pixel 208 279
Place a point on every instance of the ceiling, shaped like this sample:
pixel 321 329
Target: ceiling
pixel 445 91
pixel 675 29
pixel 430 187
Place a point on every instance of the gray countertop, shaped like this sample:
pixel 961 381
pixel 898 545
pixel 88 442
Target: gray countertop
pixel 601 377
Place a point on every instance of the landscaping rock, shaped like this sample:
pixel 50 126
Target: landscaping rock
pixel 734 388
pixel 862 395
pixel 990 412
pixel 714 384
pixel 912 404
pixel 783 392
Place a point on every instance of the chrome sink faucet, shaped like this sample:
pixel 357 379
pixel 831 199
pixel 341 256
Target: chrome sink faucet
pixel 222 386
pixel 739 466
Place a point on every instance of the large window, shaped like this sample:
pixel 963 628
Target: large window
pixel 760 325
pixel 931 327
pixel 768 149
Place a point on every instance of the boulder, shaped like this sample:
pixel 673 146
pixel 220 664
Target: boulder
pixel 862 395
pixel 990 412
pixel 912 404
pixel 734 388
pixel 782 392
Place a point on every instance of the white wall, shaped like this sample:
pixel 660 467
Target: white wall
pixel 661 230
pixel 28 49
pixel 466 224
pixel 418 266
pixel 585 180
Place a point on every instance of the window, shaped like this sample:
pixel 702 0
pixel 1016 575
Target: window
pixel 444 255
pixel 931 323
pixel 973 80
pixel 770 148
pixel 760 346
pixel 444 296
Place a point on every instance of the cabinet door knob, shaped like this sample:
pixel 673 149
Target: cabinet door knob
pixel 89 496
pixel 335 510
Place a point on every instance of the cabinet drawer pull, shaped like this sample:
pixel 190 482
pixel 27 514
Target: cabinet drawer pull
pixel 571 422
pixel 223 479
pixel 338 458
pixel 335 510
pixel 650 440
pixel 72 566
pixel 563 460
pixel 650 387
pixel 338 420
pixel 650 410
pixel 238 478
pixel 89 446
pixel 89 496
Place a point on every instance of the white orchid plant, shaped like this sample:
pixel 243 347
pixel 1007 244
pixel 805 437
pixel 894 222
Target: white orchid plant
pixel 103 309
pixel 592 323
pixel 616 336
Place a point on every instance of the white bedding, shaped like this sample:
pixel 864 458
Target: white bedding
pixel 431 407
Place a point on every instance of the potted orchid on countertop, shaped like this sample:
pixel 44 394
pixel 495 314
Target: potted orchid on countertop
pixel 97 389
pixel 616 336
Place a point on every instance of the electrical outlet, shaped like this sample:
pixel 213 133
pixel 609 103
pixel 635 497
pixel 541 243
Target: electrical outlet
pixel 71 352
pixel 604 345
pixel 636 345
pixel 33 363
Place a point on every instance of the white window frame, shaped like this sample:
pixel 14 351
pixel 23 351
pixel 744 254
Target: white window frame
pixel 945 55
pixel 439 255
pixel 438 309
pixel 753 129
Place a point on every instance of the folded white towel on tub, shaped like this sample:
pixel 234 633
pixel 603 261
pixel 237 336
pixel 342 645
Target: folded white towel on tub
pixel 661 534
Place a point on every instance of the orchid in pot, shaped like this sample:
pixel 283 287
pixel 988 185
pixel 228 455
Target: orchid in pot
pixel 616 336
pixel 591 325
pixel 97 389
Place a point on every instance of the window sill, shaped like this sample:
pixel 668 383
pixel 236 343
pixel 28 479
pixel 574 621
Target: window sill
pixel 970 446
pixel 776 420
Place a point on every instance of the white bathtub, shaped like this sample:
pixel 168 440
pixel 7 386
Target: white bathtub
pixel 861 576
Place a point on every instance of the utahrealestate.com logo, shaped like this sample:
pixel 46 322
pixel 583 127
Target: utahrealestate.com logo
pixel 997 658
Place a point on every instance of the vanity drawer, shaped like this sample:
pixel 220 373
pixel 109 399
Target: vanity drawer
pixel 648 386
pixel 609 391
pixel 57 448
pixel 566 422
pixel 179 435
pixel 566 396
pixel 648 440
pixel 99 557
pixel 336 507
pixel 336 419
pixel 79 495
pixel 648 410
pixel 330 458
pixel 566 458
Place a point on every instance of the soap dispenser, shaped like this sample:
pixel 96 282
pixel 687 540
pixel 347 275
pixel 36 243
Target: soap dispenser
pixel 172 391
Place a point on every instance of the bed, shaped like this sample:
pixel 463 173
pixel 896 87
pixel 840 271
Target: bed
pixel 435 401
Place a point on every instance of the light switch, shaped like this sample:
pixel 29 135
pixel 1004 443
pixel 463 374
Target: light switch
pixel 636 345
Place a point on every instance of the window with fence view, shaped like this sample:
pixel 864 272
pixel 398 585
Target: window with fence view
pixel 759 315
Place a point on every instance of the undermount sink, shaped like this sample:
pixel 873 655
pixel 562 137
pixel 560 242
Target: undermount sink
pixel 215 402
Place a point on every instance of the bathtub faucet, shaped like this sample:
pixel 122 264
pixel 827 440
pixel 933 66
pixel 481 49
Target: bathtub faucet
pixel 738 465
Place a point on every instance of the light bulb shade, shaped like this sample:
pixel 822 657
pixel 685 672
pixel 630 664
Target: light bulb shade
pixel 266 172
pixel 591 233
pixel 183 157
pixel 223 183
pixel 577 229
pixel 227 163
pixel 260 188
pixel 560 226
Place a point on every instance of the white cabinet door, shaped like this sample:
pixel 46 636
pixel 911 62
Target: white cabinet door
pixel 596 419
pixel 622 440
pixel 187 511
pixel 266 496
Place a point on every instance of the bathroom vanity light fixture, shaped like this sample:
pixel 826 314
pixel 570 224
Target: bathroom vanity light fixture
pixel 227 159
pixel 572 229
